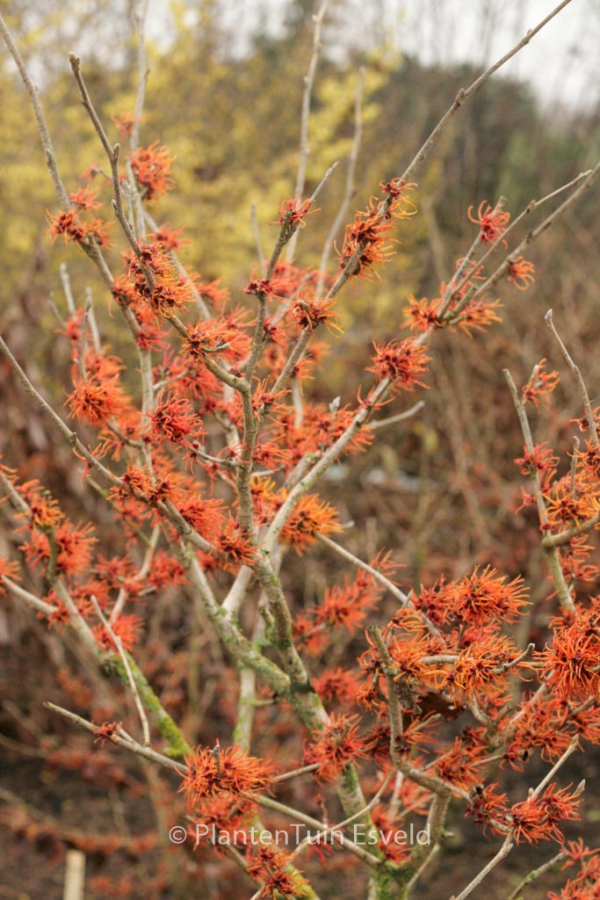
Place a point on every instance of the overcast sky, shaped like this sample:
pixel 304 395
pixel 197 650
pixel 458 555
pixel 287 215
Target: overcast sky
pixel 561 62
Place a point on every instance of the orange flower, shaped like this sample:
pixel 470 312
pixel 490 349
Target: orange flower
pixel 403 362
pixel 335 747
pixel 293 212
pixel 540 385
pixel 271 866
pixel 223 338
pixel 8 569
pixel 539 818
pixel 276 289
pixel 565 506
pixel 520 273
pixel 218 772
pixel 74 546
pixel 488 808
pixel 107 731
pixel 151 166
pixel 571 663
pixel 479 315
pixel 492 222
pixel 479 668
pixel 174 419
pixel 94 403
pixel 368 236
pixel 540 460
pixel 459 765
pixel 171 294
pixel 205 516
pixel 310 518
pixel 126 628
pixel 72 227
pixel 169 237
pixel 231 542
pixel 421 315
pixel 124 123
pixel 484 596
pixel 309 314
pixel 347 605
pixel 85 198
pixel 45 512
pixel 336 684
pixel 408 653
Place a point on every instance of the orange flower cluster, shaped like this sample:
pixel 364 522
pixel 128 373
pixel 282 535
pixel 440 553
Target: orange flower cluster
pixel 344 606
pixel 292 214
pixel 220 440
pixel 222 773
pixel 491 221
pixel 403 362
pixel 72 227
pixel 174 419
pixel 335 747
pixel 271 866
pixel 8 569
pixel 584 885
pixel 224 339
pixel 310 518
pixel 367 241
pixel 572 662
pixel 127 628
pixel 151 166
pixel 521 273
pixel 540 385
pixel 152 285
pixel 98 397
pixel 539 817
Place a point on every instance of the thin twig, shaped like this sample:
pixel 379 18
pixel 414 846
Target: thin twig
pixel 500 855
pixel 302 818
pixel 350 184
pixel 376 574
pixel 304 122
pixel 465 93
pixel 393 704
pixel 589 412
pixel 119 739
pixel 257 239
pixel 573 746
pixel 531 206
pixel 39 117
pixel 140 575
pixel 46 608
pixel 139 17
pixel 535 873
pixel 121 651
pixel 392 420
pixel 552 554
pixel 475 293
pixel 312 838
pixel 66 286
pixel 295 773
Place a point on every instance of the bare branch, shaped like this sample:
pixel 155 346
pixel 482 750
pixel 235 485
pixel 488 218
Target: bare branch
pixel 589 412
pixel 121 651
pixel 139 17
pixel 350 178
pixel 552 554
pixel 39 117
pixel 465 93
pixel 305 117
